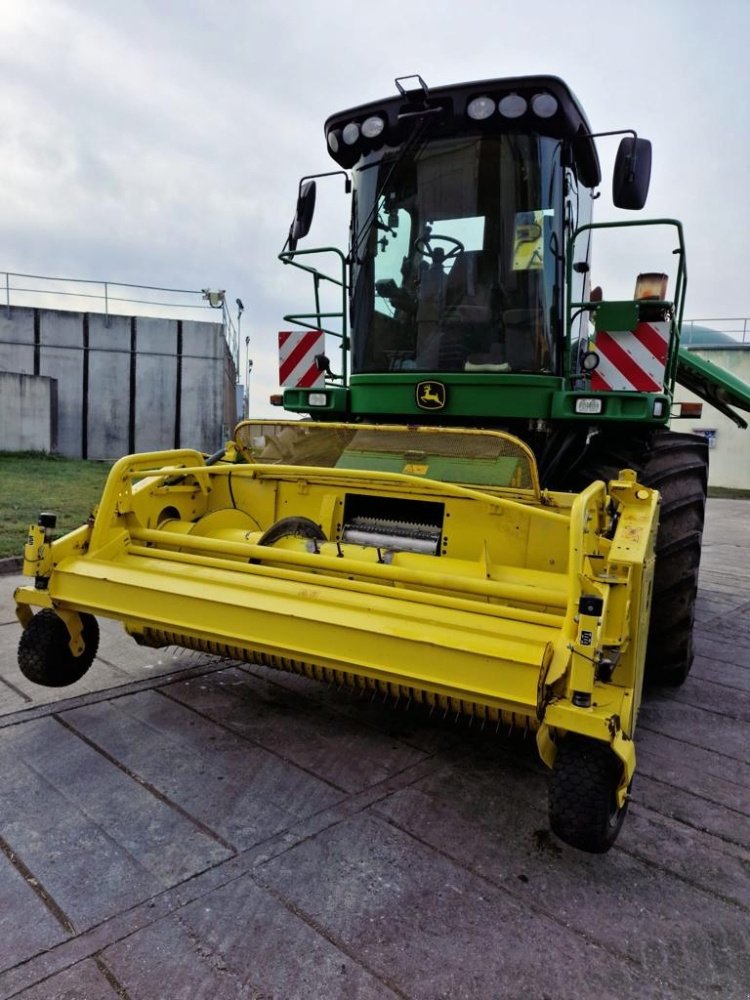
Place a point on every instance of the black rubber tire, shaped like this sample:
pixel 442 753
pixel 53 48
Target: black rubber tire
pixel 677 465
pixel 44 656
pixel 583 809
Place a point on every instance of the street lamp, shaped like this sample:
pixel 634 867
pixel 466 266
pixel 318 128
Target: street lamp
pixel 247 379
pixel 214 297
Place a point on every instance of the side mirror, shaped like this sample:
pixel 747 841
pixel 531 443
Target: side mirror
pixel 304 215
pixel 632 173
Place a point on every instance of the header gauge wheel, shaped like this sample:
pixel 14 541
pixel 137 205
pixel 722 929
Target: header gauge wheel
pixel 583 808
pixel 44 655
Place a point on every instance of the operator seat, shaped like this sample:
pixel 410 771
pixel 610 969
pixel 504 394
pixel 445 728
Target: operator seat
pixel 471 323
pixel 430 304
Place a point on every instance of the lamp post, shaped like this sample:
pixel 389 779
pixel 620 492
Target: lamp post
pixel 247 379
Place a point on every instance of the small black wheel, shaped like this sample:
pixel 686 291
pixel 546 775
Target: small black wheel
pixel 44 656
pixel 583 808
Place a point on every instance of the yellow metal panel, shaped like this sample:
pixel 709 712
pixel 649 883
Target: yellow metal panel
pixel 464 655
pixel 491 624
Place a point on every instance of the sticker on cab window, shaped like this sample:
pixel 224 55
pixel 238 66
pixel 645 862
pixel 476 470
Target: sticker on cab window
pixel 528 241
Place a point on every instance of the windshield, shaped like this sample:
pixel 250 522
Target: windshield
pixel 457 257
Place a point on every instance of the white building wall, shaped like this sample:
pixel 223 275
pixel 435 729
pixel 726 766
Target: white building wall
pixel 729 455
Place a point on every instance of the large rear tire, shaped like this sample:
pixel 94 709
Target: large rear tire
pixel 677 465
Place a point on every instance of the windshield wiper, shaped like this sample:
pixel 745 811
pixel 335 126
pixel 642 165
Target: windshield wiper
pixel 412 145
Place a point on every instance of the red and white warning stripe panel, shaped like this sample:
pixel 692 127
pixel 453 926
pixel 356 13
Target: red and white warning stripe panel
pixel 633 360
pixel 297 353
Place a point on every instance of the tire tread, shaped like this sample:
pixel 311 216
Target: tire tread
pixel 44 656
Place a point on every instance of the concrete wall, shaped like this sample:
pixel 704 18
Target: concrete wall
pixel 129 384
pixel 108 409
pixel 28 412
pixel 729 455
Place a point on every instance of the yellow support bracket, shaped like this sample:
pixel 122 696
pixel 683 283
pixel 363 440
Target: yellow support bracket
pixel 74 625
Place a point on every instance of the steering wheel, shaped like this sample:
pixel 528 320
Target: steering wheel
pixel 424 246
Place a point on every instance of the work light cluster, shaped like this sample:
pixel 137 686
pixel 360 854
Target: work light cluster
pixel 511 106
pixel 370 128
pixel 543 105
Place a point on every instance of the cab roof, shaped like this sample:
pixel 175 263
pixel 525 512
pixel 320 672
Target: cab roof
pixel 541 105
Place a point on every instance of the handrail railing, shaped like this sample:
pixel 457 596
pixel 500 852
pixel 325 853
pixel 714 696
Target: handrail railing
pixel 738 328
pixel 575 308
pixel 304 319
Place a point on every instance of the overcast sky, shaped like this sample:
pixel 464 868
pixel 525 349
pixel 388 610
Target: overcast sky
pixel 161 142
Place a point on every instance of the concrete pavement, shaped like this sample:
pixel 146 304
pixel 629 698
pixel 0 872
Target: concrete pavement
pixel 177 825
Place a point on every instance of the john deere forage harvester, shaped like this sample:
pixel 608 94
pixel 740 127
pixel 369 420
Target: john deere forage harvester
pixel 487 500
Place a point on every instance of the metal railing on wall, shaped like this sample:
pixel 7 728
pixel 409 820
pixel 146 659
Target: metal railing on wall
pixel 736 328
pixel 121 298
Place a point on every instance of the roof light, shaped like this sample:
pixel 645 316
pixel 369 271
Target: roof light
pixel 512 106
pixel 481 108
pixel 372 127
pixel 350 133
pixel 544 105
pixel 651 285
pixel 333 141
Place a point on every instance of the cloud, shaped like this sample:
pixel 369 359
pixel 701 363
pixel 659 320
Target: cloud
pixel 163 143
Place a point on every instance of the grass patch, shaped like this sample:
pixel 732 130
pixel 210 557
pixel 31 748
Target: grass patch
pixel 30 483
pixel 728 492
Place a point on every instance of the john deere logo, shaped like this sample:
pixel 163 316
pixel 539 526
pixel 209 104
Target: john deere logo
pixel 431 395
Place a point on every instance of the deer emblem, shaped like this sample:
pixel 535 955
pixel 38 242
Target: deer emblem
pixel 431 395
